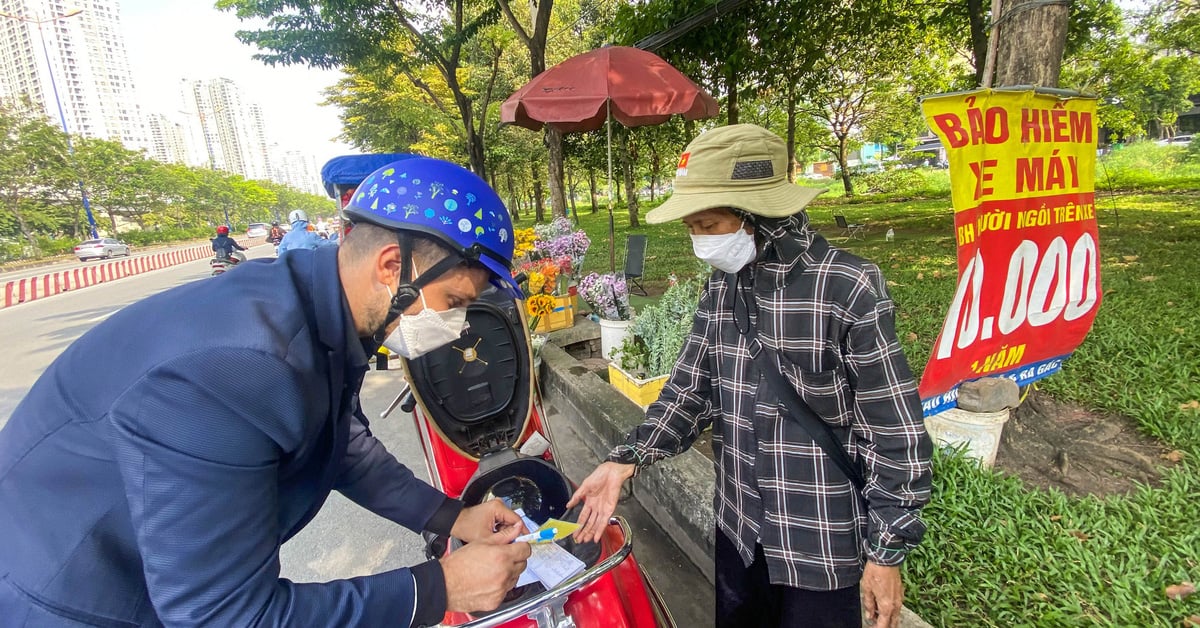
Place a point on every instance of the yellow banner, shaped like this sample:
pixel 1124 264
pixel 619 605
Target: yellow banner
pixel 1006 145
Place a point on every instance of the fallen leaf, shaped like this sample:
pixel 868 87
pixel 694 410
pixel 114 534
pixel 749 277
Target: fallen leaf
pixel 1191 405
pixel 1192 622
pixel 912 336
pixel 1080 535
pixel 1173 456
pixel 920 276
pixel 1056 517
pixel 937 274
pixel 1170 304
pixel 1180 591
pixel 1180 330
pixel 1148 278
pixel 1129 258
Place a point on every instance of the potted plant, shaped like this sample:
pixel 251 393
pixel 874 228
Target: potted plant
pixel 642 363
pixel 608 296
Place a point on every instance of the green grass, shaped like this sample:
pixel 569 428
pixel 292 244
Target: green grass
pixel 998 554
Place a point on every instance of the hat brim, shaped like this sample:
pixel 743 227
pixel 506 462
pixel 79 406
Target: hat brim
pixel 779 201
pixel 502 278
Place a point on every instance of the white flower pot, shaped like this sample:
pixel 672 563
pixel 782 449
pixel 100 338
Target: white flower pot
pixel 979 431
pixel 612 336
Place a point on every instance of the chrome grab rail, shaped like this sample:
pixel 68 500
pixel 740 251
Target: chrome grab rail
pixel 566 587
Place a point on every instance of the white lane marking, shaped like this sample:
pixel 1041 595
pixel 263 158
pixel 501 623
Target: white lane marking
pixel 103 316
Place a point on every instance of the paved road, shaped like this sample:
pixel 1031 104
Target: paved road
pixel 72 263
pixel 343 540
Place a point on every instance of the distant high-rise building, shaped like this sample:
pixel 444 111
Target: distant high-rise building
pixel 167 139
pixel 296 170
pixel 89 63
pixel 223 131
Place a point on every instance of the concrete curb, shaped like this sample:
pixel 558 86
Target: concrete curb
pixel 677 492
pixel 20 291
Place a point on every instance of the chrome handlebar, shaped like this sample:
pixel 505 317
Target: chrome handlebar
pixel 568 586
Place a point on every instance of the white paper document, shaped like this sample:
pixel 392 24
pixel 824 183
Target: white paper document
pixel 548 562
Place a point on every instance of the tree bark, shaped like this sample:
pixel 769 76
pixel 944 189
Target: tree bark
pixel 592 189
pixel 842 158
pixel 655 166
pixel 977 14
pixel 791 132
pixel 1031 39
pixel 629 159
pixel 512 196
pixel 539 207
pixel 571 183
pixel 732 93
pixel 558 204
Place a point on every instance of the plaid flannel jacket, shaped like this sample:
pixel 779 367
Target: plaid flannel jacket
pixel 828 315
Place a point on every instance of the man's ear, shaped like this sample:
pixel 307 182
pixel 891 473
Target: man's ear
pixel 387 265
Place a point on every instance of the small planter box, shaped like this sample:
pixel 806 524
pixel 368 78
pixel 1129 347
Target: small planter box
pixel 562 317
pixel 641 391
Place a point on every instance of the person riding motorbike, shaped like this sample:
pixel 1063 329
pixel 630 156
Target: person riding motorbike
pixel 300 237
pixel 223 246
pixel 276 235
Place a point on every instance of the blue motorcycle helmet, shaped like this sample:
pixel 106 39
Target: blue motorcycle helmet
pixel 447 203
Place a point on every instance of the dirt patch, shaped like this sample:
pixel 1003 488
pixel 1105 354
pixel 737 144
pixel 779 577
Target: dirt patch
pixel 1049 444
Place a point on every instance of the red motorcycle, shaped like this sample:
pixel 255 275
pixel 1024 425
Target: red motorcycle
pixel 476 407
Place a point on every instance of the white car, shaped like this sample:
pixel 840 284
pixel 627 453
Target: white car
pixel 1178 140
pixel 258 230
pixel 102 247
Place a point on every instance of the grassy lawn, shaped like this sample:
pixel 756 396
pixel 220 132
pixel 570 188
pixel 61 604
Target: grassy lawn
pixel 997 553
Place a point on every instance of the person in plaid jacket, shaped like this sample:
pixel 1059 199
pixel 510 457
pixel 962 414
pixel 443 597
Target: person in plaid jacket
pixel 797 543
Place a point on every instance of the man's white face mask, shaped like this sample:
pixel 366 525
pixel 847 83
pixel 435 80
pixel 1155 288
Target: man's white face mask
pixel 420 333
pixel 729 252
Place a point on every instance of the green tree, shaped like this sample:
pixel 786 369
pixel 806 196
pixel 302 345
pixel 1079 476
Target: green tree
pixel 34 173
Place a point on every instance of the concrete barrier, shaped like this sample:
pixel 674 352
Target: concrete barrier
pixel 49 284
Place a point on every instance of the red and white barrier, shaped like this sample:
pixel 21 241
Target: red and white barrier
pixel 47 285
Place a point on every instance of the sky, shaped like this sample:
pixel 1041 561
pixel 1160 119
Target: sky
pixel 168 40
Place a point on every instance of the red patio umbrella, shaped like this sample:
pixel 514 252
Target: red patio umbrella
pixel 584 92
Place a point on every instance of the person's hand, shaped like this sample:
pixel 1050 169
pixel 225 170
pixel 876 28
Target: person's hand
pixel 489 522
pixel 478 575
pixel 599 493
pixel 882 595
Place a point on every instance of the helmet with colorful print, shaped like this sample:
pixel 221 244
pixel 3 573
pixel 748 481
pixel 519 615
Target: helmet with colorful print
pixel 222 230
pixel 447 203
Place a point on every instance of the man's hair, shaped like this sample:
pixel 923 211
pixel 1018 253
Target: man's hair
pixel 366 239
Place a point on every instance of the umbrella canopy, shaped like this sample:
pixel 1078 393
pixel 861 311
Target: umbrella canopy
pixel 575 95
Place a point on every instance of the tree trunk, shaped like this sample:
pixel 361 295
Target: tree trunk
pixel 558 204
pixel 655 166
pixel 112 220
pixel 539 207
pixel 732 93
pixel 571 183
pixel 1032 36
pixel 24 226
pixel 977 13
pixel 628 159
pixel 513 199
pixel 842 158
pixel 791 132
pixel 689 130
pixel 592 189
pixel 475 152
pixel 616 181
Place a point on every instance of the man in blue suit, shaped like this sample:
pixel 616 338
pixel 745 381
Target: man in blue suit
pixel 158 489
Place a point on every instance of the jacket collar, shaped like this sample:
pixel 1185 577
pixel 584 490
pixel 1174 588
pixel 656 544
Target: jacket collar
pixel 318 281
pixel 789 245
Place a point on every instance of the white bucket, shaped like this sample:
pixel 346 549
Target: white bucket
pixel 612 336
pixel 979 431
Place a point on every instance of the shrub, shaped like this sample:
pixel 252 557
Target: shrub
pixel 660 329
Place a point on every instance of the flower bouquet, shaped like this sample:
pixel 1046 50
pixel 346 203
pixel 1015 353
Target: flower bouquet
pixel 607 295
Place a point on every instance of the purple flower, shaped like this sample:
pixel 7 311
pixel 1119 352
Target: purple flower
pixel 608 296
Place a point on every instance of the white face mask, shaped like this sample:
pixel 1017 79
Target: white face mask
pixel 426 330
pixel 729 252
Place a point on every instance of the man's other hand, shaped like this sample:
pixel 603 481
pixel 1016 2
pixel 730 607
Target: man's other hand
pixel 882 595
pixel 489 522
pixel 479 575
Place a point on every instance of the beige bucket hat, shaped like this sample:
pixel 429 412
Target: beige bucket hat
pixel 742 166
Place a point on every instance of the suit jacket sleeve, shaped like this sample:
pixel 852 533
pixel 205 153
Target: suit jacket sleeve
pixel 375 480
pixel 198 452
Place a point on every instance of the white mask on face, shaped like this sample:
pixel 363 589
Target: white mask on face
pixel 426 330
pixel 729 252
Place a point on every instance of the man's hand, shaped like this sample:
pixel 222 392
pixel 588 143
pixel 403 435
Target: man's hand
pixel 599 493
pixel 489 522
pixel 479 575
pixel 882 595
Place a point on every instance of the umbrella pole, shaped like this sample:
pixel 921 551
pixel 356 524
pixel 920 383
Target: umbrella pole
pixel 612 237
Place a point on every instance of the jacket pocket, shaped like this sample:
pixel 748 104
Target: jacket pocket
pixel 826 392
pixel 47 613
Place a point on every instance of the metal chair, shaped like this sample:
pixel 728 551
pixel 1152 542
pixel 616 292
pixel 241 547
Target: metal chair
pixel 850 230
pixel 635 263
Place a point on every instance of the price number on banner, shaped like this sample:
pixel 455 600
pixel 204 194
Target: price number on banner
pixel 1042 286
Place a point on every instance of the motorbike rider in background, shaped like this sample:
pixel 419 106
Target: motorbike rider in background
pixel 223 246
pixel 300 237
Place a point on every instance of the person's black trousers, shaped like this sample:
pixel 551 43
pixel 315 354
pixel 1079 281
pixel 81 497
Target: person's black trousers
pixel 747 599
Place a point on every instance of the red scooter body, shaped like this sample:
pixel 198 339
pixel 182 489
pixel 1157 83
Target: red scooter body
pixel 475 403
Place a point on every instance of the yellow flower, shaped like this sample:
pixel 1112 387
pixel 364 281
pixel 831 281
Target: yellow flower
pixel 540 305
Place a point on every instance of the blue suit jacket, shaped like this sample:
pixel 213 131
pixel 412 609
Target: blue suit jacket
pixel 152 472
